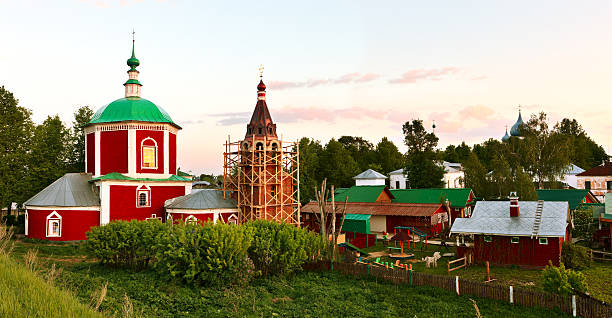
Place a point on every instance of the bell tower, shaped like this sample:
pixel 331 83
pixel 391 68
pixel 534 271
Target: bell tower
pixel 262 171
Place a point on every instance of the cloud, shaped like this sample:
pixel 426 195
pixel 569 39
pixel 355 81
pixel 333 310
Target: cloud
pixel 479 77
pixel 344 79
pixel 479 112
pixel 412 76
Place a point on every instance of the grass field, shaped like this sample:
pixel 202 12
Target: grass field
pixel 308 294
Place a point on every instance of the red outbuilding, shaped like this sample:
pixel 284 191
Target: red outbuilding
pixel 525 233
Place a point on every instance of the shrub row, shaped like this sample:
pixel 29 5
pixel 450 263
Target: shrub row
pixel 205 254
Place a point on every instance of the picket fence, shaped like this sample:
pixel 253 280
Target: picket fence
pixel 576 305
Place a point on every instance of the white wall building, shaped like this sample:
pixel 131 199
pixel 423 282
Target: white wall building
pixel 370 178
pixel 453 176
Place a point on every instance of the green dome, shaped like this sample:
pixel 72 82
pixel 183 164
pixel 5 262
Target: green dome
pixel 133 62
pixel 131 109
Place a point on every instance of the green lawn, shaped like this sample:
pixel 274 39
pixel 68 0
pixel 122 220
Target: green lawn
pixel 307 294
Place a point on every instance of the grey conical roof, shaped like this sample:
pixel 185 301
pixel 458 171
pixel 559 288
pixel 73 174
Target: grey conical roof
pixel 202 199
pixel 370 174
pixel 71 190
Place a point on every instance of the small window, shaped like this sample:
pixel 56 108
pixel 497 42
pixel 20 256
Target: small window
pixel 259 131
pixel 488 239
pixel 143 197
pixel 587 185
pixel 543 240
pixel 191 220
pixel 514 240
pixel 273 190
pixel 397 184
pixel 274 146
pixel 232 219
pixel 259 146
pixel 54 225
pixel 269 130
pixel 246 146
pixel 148 148
pixel 609 185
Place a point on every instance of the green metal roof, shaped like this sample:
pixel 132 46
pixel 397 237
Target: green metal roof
pixel 573 196
pixel 360 193
pixel 119 176
pixel 132 81
pixel 608 213
pixel 131 109
pixel 358 223
pixel 457 197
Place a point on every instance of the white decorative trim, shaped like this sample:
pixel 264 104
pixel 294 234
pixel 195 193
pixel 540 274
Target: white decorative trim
pixel 136 125
pixel 232 219
pixel 151 175
pixel 64 208
pixel 105 203
pixel 146 190
pixel 140 182
pixel 97 153
pixel 131 152
pixel 142 146
pixel 26 222
pixel 85 168
pixel 191 219
pixel 166 145
pixel 52 218
pixel 208 211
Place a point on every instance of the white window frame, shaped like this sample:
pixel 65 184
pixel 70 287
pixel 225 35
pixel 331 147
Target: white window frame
pixel 146 190
pixel 191 219
pixel 543 239
pixel 52 218
pixel 232 219
pixel 485 238
pixel 512 240
pixel 155 148
pixel 26 223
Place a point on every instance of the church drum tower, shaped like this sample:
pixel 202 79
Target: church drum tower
pixel 262 171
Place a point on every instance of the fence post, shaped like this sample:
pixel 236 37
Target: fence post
pixel 457 284
pixel 511 295
pixel 368 270
pixel 574 305
pixel 410 275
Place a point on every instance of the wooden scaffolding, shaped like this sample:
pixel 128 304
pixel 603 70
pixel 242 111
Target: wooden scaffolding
pixel 265 181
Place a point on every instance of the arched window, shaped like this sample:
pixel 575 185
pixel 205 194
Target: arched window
pixel 274 146
pixel 148 156
pixel 54 225
pixel 143 196
pixel 259 146
pixel 191 220
pixel 270 130
pixel 232 219
pixel 245 146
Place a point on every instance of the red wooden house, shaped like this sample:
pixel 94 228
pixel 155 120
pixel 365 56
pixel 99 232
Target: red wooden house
pixel 526 233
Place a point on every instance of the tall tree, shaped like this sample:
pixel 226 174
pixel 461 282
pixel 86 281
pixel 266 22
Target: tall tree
pixel 49 154
pixel 501 177
pixel 337 165
pixel 360 149
pixel 388 156
pixel 76 159
pixel 15 132
pixel 421 168
pixel 476 176
pixel 310 150
pixel 547 152
pixel 583 151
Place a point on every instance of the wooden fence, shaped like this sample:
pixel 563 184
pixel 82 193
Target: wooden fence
pixel 577 305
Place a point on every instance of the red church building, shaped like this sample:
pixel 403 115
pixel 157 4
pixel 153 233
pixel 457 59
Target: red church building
pixel 130 170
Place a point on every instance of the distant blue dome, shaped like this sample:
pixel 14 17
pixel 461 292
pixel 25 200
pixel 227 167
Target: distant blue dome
pixel 515 130
pixel 506 137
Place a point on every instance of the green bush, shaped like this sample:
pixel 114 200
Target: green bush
pixel 207 254
pixel 280 248
pixel 563 281
pixel 126 243
pixel 575 257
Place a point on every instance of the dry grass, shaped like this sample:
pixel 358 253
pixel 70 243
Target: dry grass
pixel 128 307
pixel 98 297
pixel 6 244
pixel 30 258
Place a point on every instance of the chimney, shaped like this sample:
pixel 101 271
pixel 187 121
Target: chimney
pixel 514 204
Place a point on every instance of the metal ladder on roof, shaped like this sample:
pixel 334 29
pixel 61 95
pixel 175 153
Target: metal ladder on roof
pixel 538 219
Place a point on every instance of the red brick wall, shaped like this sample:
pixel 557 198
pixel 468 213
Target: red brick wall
pixel 123 201
pixel 114 151
pixel 91 153
pixel 74 224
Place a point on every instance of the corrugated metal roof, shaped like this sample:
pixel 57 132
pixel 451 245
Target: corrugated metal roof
pixel 574 169
pixel 573 196
pixel 457 197
pixel 71 190
pixel 360 193
pixel 493 217
pixel 398 171
pixel 370 174
pixel 604 169
pixel 608 213
pixel 202 199
pixel 398 209
pixel 119 176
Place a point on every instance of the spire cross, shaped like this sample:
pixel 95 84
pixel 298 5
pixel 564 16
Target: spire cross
pixel 519 108
pixel 133 35
pixel 261 68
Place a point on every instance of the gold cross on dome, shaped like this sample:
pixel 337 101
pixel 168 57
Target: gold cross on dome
pixel 261 68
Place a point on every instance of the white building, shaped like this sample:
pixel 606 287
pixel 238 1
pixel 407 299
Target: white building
pixel 370 178
pixel 453 176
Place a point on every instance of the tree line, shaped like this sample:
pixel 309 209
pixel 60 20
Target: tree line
pixel 33 156
pixel 492 168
